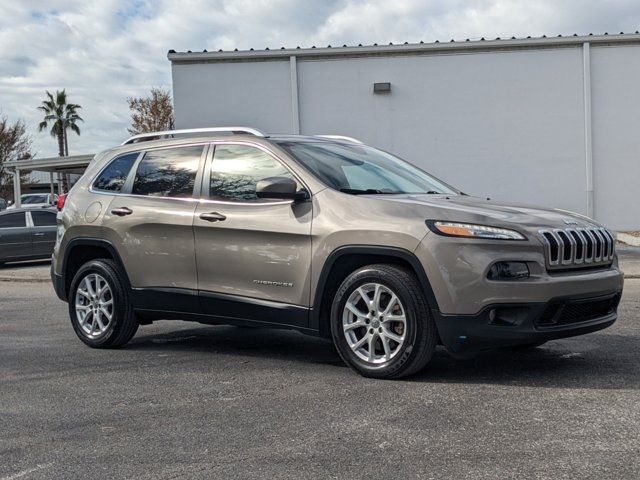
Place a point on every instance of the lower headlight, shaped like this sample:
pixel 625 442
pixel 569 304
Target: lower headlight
pixel 470 230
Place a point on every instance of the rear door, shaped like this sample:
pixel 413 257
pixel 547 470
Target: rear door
pixel 152 220
pixel 15 236
pixel 255 259
pixel 43 232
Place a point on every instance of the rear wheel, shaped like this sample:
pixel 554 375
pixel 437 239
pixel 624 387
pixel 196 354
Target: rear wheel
pixel 99 306
pixel 381 324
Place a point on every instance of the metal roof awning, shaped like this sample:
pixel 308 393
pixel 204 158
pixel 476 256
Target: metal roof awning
pixel 72 164
pixel 75 164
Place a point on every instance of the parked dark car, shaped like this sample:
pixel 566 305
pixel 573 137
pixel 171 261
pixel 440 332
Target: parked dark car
pixel 27 234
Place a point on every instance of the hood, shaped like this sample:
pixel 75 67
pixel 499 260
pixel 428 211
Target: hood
pixel 464 208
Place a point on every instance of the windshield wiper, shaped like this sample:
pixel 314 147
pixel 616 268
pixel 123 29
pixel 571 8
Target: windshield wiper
pixel 355 191
pixel 375 191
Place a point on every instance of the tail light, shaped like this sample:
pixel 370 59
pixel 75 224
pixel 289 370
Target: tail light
pixel 61 200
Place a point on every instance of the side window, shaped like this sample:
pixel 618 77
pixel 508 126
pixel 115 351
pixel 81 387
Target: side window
pixel 43 219
pixel 236 169
pixel 170 172
pixel 13 220
pixel 113 177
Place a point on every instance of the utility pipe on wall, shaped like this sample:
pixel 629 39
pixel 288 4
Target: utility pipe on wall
pixel 295 113
pixel 588 141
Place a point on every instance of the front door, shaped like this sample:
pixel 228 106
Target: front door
pixel 153 226
pixel 253 255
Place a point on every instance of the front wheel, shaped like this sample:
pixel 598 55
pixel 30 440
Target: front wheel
pixel 99 306
pixel 381 324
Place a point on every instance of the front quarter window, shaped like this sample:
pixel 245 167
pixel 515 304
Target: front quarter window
pixel 236 170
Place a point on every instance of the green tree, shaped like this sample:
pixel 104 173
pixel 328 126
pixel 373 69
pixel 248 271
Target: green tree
pixel 61 116
pixel 15 144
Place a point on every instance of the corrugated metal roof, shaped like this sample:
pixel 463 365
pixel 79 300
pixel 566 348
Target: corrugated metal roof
pixel 405 48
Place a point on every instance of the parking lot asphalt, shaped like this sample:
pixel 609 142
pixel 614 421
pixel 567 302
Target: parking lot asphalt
pixel 185 400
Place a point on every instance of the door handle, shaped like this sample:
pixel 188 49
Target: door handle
pixel 213 217
pixel 38 234
pixel 121 212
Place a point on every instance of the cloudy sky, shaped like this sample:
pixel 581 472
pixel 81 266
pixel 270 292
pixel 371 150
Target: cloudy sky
pixel 104 51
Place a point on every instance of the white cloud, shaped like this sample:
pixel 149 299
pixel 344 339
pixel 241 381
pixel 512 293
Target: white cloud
pixel 104 51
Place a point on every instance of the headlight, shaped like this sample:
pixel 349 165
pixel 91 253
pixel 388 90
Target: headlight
pixel 470 230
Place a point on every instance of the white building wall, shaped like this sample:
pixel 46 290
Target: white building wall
pixel 615 85
pixel 506 123
pixel 246 94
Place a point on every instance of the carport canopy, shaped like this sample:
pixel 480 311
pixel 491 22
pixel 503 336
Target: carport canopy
pixel 73 164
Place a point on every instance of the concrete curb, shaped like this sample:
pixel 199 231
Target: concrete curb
pixel 25 280
pixel 628 239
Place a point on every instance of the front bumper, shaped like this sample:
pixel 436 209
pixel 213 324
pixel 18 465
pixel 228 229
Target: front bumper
pixel 511 324
pixel 457 269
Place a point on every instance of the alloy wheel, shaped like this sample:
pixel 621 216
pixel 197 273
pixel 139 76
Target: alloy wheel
pixel 94 305
pixel 374 323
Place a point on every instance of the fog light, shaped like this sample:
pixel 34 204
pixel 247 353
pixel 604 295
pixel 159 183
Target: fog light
pixel 508 271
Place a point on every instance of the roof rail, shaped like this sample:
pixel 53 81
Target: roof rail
pixel 145 137
pixel 340 137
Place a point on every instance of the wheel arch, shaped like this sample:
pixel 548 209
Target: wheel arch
pixel 351 258
pixel 82 250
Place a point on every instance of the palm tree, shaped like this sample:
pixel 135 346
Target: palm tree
pixel 62 116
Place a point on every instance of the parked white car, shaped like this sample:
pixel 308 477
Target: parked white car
pixel 37 200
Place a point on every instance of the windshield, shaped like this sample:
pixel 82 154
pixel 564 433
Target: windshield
pixel 31 199
pixel 360 170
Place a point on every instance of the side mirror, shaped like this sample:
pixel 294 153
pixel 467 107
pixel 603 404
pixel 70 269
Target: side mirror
pixel 281 188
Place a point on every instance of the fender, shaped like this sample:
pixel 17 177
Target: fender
pixel 401 253
pixel 91 242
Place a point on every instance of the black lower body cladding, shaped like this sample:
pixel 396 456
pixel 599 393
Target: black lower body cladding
pixel 522 324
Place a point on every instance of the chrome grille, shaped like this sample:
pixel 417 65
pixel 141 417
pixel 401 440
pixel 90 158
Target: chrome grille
pixel 573 247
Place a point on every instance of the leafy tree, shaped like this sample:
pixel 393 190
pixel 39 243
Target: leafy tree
pixel 151 114
pixel 15 144
pixel 61 116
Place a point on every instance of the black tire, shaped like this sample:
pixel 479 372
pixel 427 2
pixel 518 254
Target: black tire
pixel 123 324
pixel 420 336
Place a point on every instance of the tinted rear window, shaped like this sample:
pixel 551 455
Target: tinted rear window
pixel 169 172
pixel 43 219
pixel 113 177
pixel 13 220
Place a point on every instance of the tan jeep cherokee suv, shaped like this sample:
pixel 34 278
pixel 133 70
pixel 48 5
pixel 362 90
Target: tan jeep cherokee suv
pixel 326 236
